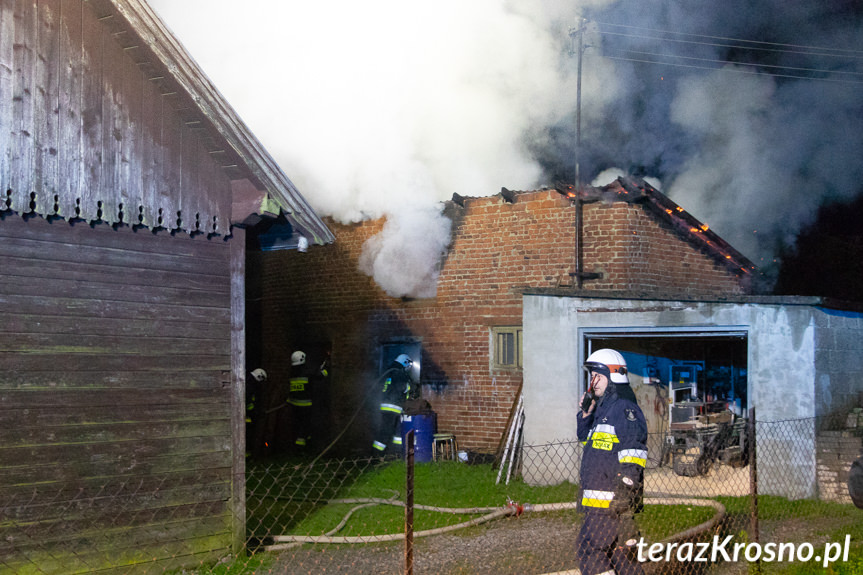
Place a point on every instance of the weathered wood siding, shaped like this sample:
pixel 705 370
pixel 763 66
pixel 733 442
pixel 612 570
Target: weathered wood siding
pixel 92 128
pixel 115 397
pixel 117 371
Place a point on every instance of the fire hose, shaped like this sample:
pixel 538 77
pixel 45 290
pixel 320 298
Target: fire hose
pixel 490 513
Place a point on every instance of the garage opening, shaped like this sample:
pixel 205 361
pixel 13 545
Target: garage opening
pixel 691 385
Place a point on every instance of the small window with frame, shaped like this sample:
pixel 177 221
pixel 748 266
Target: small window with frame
pixel 506 347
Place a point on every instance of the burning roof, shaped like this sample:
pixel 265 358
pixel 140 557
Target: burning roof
pixel 635 190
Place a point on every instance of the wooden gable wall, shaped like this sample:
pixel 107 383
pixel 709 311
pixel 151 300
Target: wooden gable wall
pixel 121 343
pixel 115 403
pixel 94 132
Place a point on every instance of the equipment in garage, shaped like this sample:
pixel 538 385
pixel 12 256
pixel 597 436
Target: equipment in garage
pixel 702 427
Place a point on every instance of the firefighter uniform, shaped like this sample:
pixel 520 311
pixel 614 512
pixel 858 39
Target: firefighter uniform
pixel 395 390
pixel 254 388
pixel 614 438
pixel 300 400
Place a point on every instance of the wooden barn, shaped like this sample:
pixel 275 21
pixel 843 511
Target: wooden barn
pixel 127 185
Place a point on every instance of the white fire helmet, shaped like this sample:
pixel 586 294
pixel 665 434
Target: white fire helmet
pixel 404 361
pixel 259 374
pixel 298 358
pixel 609 363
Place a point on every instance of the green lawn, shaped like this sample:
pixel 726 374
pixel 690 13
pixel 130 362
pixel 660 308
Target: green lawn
pixel 801 521
pixel 291 501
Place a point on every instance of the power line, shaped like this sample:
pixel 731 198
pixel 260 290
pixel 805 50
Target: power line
pixel 780 47
pixel 732 70
pixel 748 64
pixel 650 57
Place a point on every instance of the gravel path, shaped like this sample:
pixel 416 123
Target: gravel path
pixel 513 545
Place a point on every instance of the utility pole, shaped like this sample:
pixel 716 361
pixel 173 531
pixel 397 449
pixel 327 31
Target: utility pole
pixel 576 36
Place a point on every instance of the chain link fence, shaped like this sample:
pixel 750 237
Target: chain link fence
pixel 719 486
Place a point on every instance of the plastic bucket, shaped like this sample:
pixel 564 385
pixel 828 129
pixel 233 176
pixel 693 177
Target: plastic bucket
pixel 424 426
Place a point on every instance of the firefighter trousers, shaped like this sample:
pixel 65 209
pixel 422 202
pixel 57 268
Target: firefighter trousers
pixel 598 550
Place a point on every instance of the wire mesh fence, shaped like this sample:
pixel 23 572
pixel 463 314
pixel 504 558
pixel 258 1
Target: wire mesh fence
pixel 718 499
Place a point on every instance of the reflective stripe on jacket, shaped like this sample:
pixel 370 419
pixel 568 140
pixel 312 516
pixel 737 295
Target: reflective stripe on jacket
pixel 615 444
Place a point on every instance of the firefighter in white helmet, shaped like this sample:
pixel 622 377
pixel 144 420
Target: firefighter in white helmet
pixel 300 399
pixel 254 384
pixel 396 388
pixel 613 431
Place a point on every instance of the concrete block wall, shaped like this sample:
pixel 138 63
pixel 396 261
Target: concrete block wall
pixel 498 249
pixel 838 364
pixel 836 451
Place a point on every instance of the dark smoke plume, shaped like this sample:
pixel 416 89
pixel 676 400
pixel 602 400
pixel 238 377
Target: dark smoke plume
pixel 745 112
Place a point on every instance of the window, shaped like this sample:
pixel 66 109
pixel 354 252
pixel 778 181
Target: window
pixel 506 343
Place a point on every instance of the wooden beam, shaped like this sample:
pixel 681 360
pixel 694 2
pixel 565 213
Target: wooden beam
pixel 238 387
pixel 250 204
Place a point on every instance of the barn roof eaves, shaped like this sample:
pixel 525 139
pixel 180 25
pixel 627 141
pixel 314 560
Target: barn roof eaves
pixel 144 22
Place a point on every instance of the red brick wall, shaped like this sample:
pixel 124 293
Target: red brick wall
pixel 638 252
pixel 497 250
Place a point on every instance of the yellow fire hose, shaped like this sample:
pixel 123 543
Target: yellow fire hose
pixel 490 513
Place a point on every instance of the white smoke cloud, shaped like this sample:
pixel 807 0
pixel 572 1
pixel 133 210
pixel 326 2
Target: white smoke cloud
pixel 734 116
pixel 378 108
pixel 403 258
pixel 758 174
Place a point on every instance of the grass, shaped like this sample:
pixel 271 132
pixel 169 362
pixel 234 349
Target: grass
pixel 293 503
pixel 801 521
pixel 441 484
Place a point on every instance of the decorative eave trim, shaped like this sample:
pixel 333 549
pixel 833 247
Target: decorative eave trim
pixel 150 28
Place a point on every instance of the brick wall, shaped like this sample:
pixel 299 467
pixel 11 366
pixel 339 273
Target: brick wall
pixel 638 252
pixel 498 249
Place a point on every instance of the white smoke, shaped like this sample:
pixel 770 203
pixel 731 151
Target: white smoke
pixel 402 258
pixel 387 108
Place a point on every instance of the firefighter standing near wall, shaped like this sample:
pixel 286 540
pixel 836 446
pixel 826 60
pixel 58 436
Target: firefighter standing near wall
pixel 254 385
pixel 396 387
pixel 613 431
pixel 300 399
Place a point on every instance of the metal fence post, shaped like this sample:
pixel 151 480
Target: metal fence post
pixel 409 503
pixel 753 482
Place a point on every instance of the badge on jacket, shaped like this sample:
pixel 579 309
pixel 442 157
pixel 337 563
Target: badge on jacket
pixel 630 414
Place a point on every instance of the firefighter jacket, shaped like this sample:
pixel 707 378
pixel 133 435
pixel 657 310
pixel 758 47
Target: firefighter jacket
pixel 396 388
pixel 300 393
pixel 251 398
pixel 614 437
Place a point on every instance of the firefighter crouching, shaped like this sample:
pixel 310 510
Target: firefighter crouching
pixel 613 431
pixel 395 390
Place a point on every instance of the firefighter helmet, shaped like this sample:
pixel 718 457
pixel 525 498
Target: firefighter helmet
pixel 298 358
pixel 609 363
pixel 405 361
pixel 259 374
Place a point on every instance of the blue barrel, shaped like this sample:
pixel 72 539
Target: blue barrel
pixel 424 426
